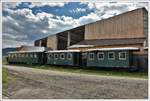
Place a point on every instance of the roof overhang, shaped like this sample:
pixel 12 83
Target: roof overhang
pixel 80 46
pixel 61 51
pixel 116 48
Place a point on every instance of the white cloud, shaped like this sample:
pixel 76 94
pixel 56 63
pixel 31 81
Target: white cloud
pixel 52 4
pixel 13 43
pixel 22 27
pixel 10 5
pixel 88 19
pixel 22 22
pixel 77 10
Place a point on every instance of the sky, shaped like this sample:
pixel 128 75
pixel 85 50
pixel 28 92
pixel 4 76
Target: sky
pixel 24 22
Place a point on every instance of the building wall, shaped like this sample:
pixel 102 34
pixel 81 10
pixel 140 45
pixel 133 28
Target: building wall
pixel 21 49
pixel 52 42
pixel 145 17
pixel 41 42
pixel 127 25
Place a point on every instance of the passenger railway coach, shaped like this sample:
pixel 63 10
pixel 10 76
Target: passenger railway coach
pixel 26 57
pixel 122 57
pixel 64 57
pixel 111 57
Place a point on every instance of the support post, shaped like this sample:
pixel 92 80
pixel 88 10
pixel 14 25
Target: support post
pixel 68 40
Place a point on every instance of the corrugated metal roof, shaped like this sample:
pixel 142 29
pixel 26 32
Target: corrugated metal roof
pixel 33 48
pixel 97 42
pixel 30 49
pixel 25 51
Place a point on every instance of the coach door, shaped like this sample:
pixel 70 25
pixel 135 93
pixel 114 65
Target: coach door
pixel 84 59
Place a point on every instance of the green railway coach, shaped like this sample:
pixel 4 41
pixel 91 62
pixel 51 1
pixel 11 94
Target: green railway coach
pixel 111 57
pixel 24 57
pixel 63 57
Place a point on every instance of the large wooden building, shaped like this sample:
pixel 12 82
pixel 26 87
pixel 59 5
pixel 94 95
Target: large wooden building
pixel 62 40
pixel 120 42
pixel 129 29
pixel 122 30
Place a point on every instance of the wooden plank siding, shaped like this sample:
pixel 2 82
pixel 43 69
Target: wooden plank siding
pixel 126 25
pixel 52 42
pixel 41 42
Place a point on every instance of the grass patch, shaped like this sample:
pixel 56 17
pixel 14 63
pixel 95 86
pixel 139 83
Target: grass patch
pixel 4 61
pixel 6 77
pixel 92 71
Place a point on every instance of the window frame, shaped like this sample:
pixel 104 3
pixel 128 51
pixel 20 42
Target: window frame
pixel 98 55
pixel 50 56
pixel 68 57
pixel 125 56
pixel 31 55
pixel 61 56
pixel 19 55
pixel 26 55
pixel 9 55
pixel 113 56
pixel 55 56
pixel 35 55
pixel 12 55
pixel 22 55
pixel 90 57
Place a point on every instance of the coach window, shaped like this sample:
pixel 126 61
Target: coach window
pixel 122 55
pixel 50 56
pixel 69 56
pixel 35 55
pixel 111 56
pixel 25 55
pixel 15 55
pixel 19 55
pixel 56 56
pixel 100 56
pixel 31 55
pixel 9 55
pixel 12 55
pixel 91 56
pixel 62 56
pixel 22 55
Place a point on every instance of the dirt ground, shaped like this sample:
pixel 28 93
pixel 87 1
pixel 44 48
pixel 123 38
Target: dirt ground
pixel 42 84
